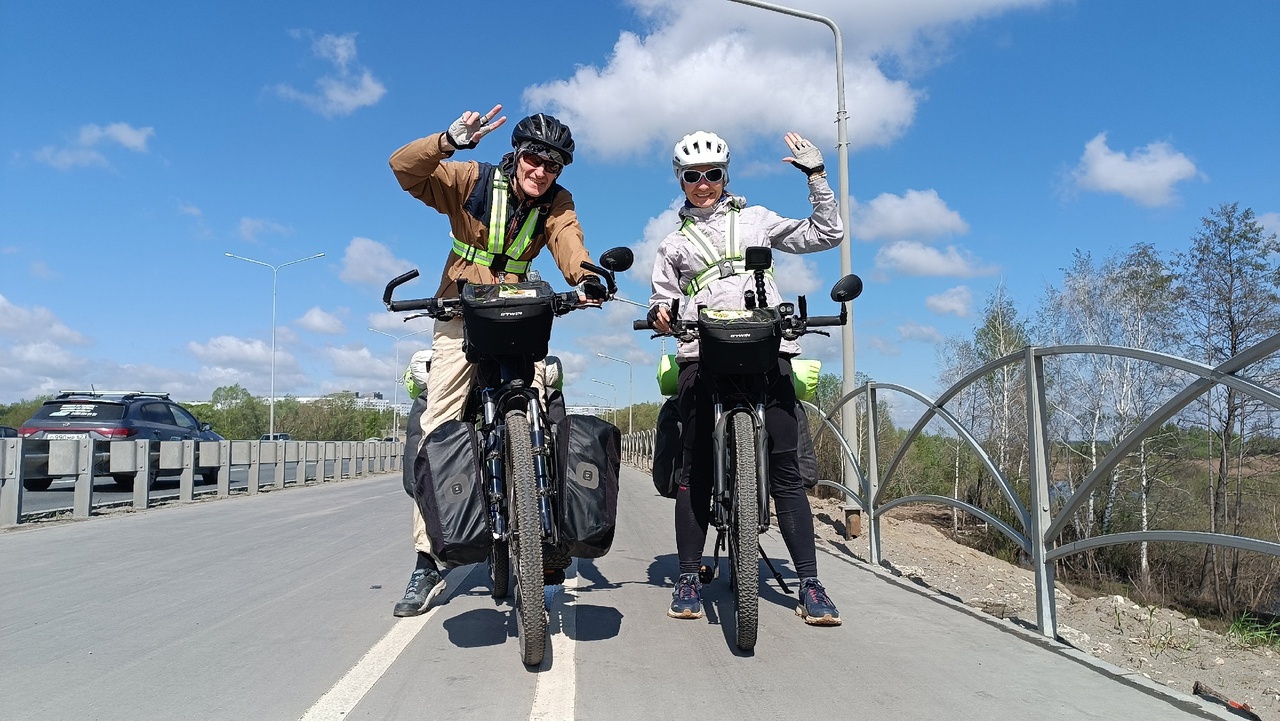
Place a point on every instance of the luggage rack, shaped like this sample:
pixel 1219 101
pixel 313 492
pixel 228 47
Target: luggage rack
pixel 124 394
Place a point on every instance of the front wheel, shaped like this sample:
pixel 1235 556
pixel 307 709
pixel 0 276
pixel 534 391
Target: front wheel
pixel 500 569
pixel 745 530
pixel 527 535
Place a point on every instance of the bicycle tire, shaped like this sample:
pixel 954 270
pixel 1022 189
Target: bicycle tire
pixel 500 570
pixel 531 616
pixel 746 531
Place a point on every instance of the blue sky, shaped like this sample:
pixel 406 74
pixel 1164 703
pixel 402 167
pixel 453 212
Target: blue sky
pixel 140 141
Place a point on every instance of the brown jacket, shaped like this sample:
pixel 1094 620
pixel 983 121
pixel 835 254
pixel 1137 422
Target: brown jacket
pixel 453 189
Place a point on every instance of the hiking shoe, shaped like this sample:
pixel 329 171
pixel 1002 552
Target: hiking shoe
pixel 686 600
pixel 424 585
pixel 815 606
pixel 552 576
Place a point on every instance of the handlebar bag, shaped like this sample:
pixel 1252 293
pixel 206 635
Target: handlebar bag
pixel 449 491
pixel 739 341
pixel 507 319
pixel 589 455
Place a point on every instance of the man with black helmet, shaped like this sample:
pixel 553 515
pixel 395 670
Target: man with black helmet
pixel 522 196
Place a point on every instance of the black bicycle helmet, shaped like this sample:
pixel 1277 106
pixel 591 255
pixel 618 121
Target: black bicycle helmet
pixel 545 130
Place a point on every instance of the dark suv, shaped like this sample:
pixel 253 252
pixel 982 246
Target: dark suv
pixel 110 416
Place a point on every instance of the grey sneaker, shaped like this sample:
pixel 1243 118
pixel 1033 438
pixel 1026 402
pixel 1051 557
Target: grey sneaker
pixel 424 585
pixel 815 605
pixel 686 600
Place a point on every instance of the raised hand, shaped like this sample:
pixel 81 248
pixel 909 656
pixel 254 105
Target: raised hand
pixel 804 155
pixel 468 129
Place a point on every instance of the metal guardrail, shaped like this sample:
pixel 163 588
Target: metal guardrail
pixel 1038 525
pixel 144 461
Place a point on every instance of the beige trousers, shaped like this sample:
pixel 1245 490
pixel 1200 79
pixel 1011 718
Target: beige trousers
pixel 447 389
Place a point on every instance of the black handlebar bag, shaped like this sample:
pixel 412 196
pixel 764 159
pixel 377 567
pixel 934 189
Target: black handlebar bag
pixel 739 341
pixel 507 319
pixel 589 457
pixel 449 490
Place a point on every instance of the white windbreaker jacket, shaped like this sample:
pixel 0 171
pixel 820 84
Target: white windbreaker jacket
pixel 678 262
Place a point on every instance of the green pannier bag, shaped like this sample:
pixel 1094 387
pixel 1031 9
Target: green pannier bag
pixel 804 374
pixel 668 374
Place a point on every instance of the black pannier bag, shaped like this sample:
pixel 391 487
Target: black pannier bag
pixel 507 319
pixel 412 437
pixel 668 450
pixel 449 490
pixel 588 456
pixel 739 341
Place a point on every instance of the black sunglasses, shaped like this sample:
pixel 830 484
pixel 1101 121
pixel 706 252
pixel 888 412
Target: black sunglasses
pixel 537 161
pixel 692 177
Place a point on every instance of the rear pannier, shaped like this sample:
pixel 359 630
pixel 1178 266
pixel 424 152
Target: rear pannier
pixel 739 341
pixel 507 319
pixel 589 455
pixel 449 490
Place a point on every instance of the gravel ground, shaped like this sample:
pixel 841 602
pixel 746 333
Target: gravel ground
pixel 1163 645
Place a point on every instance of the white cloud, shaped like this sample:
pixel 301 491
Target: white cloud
pixel 883 346
pixel 917 214
pixel 349 88
pixel 646 251
pixel 923 333
pixel 250 228
pixel 317 320
pixel 19 324
pixel 83 151
pixel 1270 222
pixel 795 275
pixel 370 262
pixel 226 350
pixel 957 301
pixel 1146 176
pixel 912 258
pixel 751 74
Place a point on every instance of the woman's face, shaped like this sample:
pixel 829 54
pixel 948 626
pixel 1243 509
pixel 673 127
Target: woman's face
pixel 703 192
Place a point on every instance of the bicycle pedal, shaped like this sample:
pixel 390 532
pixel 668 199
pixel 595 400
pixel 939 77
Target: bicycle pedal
pixel 706 574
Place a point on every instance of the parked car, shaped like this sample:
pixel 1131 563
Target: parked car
pixel 8 432
pixel 276 437
pixel 110 416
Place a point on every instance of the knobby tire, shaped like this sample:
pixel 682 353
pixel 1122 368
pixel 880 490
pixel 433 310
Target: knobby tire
pixel 746 530
pixel 527 539
pixel 500 569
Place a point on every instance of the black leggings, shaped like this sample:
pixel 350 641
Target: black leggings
pixel 693 499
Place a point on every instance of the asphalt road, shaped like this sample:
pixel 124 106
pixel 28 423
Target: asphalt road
pixel 278 606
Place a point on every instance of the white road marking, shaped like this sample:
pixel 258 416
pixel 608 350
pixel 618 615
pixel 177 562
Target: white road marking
pixel 555 691
pixel 339 700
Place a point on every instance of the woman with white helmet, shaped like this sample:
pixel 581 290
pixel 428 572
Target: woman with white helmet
pixel 717 222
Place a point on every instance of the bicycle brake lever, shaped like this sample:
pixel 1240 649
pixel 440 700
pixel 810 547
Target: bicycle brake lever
pixel 821 332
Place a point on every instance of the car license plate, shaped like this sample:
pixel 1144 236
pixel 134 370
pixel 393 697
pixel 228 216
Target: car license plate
pixel 63 436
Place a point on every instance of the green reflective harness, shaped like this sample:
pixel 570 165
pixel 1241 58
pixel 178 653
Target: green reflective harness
pixel 717 266
pixel 497 227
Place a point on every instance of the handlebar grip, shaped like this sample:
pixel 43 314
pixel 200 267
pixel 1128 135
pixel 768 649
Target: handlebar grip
pixel 397 306
pixel 398 281
pixel 824 320
pixel 642 324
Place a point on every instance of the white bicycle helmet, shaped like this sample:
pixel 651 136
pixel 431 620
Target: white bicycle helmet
pixel 700 148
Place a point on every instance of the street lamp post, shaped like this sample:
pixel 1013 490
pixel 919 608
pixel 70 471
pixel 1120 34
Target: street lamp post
pixel 615 397
pixel 849 417
pixel 630 397
pixel 395 384
pixel 271 424
pixel 606 400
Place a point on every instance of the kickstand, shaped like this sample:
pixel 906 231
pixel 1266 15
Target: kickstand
pixel 776 576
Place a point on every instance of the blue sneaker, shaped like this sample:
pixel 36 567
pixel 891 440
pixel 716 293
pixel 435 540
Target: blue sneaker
pixel 815 606
pixel 686 600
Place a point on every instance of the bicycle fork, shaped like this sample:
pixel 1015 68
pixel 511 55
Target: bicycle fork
pixel 495 447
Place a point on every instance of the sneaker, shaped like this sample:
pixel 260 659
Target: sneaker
pixel 424 585
pixel 552 576
pixel 686 600
pixel 815 606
